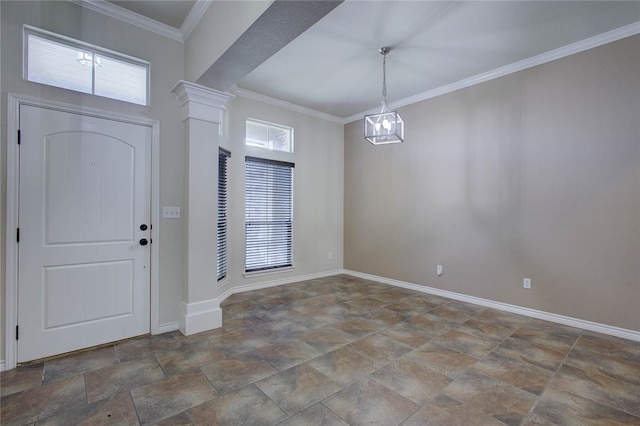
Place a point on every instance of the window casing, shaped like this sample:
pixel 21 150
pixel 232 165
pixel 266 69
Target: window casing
pixel 268 214
pixel 70 64
pixel 221 257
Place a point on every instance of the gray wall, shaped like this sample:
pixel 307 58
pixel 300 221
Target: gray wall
pixel 536 174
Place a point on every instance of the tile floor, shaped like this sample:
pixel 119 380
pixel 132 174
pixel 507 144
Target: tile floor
pixel 340 351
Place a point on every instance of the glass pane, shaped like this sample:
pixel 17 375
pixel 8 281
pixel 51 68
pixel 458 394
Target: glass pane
pixel 264 135
pixel 57 65
pixel 257 135
pixel 121 80
pixel 279 139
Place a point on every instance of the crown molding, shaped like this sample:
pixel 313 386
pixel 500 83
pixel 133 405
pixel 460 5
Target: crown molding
pixel 194 16
pixel 284 104
pixel 552 55
pixel 145 23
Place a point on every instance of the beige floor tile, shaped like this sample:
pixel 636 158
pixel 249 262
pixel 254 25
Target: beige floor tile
pixel 231 374
pixel 517 373
pixel 110 381
pixel 164 399
pixel 21 378
pixel 593 385
pixel 298 388
pixel 327 338
pixel 497 399
pixel 368 402
pixel 412 380
pixel 465 343
pixel 246 406
pixel 79 363
pixel 117 410
pixel 189 357
pixel 444 360
pixel 459 415
pixel 343 366
pixel 144 347
pixel 610 345
pixel 532 353
pixel 563 408
pixel 44 401
pixel 316 415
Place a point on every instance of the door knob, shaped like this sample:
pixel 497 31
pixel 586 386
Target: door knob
pixel 144 242
pixel 143 227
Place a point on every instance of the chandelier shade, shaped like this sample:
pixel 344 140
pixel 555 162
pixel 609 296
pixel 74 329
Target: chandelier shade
pixel 386 126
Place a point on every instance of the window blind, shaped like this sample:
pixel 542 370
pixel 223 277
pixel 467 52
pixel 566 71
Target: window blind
pixel 221 257
pixel 268 214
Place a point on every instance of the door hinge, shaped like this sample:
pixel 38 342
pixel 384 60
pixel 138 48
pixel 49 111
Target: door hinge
pixel 17 332
pixel 18 137
pixel 17 235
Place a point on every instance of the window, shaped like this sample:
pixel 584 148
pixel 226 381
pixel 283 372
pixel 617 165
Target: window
pixel 221 258
pixel 268 214
pixel 70 64
pixel 265 135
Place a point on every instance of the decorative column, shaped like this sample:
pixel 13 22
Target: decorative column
pixel 202 114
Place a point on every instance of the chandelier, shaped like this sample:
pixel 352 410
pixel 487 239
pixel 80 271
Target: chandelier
pixel 386 126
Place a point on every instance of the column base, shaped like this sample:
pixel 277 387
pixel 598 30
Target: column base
pixel 200 316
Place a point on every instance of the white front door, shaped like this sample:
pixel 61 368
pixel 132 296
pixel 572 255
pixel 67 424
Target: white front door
pixel 84 211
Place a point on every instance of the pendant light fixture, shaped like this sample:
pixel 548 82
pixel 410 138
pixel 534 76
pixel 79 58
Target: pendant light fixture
pixel 386 126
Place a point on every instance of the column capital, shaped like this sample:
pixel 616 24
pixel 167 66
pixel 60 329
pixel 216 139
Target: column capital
pixel 201 102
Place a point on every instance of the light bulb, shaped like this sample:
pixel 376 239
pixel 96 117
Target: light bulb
pixel 387 125
pixel 377 125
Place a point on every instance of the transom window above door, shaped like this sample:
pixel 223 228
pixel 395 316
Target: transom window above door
pixel 63 62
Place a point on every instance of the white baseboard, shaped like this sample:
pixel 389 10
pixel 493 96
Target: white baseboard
pixel 3 366
pixel 199 316
pixel 533 313
pixel 273 283
pixel 166 328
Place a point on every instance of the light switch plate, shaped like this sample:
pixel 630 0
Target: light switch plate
pixel 171 212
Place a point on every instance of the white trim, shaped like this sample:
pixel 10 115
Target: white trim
pixel 168 327
pixel 194 16
pixel 552 55
pixel 2 365
pixel 282 281
pixel 11 290
pixel 286 105
pixel 201 102
pixel 132 18
pixel 200 316
pixel 268 272
pixel 533 313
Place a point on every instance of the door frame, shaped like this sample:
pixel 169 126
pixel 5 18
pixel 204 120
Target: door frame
pixel 14 101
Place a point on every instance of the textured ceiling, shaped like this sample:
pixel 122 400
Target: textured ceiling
pixel 334 66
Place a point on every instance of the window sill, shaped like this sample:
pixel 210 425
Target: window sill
pixel 268 272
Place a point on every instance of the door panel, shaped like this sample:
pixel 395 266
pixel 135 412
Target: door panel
pixel 84 279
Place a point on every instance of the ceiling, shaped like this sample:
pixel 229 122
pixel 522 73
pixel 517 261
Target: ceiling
pixel 334 66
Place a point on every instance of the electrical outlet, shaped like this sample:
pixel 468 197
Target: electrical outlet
pixel 439 270
pixel 526 282
pixel 330 255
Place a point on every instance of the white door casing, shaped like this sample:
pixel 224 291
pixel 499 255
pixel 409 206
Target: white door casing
pixel 85 189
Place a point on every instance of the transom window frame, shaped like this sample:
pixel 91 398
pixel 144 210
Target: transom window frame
pixel 267 144
pixel 86 47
